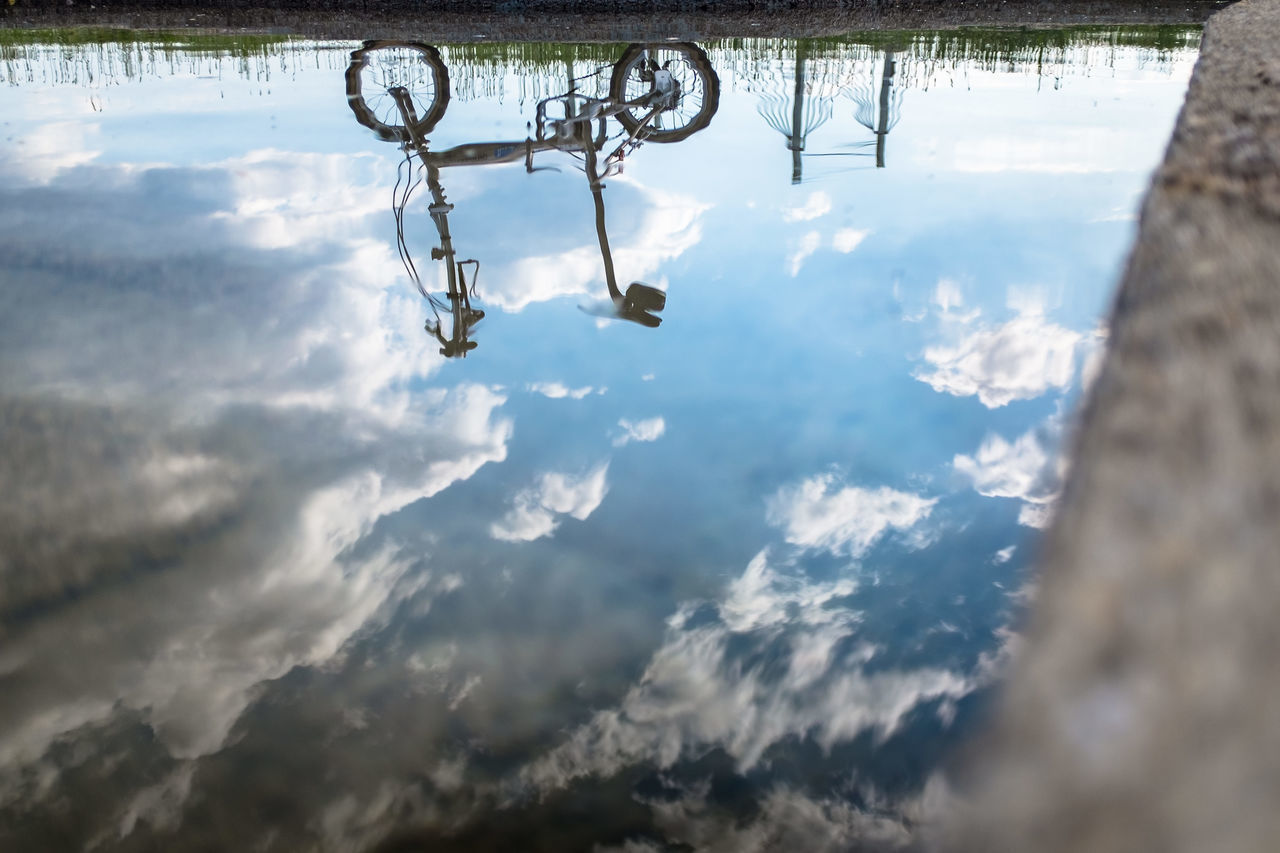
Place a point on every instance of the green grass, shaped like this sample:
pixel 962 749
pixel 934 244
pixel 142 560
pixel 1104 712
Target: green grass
pixel 193 40
pixel 112 55
pixel 986 46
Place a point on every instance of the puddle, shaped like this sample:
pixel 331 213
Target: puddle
pixel 554 447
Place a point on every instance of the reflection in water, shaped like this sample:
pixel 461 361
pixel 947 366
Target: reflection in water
pixel 797 118
pixel 881 114
pixel 657 93
pixel 413 79
pixel 106 58
pixel 811 106
pixel 272 578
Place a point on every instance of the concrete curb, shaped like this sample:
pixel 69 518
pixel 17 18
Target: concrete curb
pixel 1144 713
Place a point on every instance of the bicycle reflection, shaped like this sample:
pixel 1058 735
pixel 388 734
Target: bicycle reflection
pixel 400 90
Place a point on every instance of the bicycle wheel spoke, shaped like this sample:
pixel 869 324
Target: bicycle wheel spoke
pixel 682 111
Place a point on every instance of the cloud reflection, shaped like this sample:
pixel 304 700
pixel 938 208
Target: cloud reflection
pixel 1030 469
pixel 558 390
pixel 537 509
pixel 817 205
pixel 777 658
pixel 846 240
pixel 42 153
pixel 1018 360
pixel 663 226
pixel 649 429
pixel 218 409
pixel 845 520
pixel 809 244
pixel 215 395
pixel 280 586
pixel 788 819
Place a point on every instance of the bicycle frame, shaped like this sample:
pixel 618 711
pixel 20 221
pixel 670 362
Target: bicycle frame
pixel 582 131
pixel 464 316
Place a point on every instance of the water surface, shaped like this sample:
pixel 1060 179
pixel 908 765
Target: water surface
pixel 731 572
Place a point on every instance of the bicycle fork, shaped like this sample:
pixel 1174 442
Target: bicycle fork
pixel 464 316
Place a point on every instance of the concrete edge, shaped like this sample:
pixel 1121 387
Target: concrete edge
pixel 1144 710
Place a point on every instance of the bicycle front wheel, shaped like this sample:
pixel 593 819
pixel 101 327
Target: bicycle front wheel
pixel 381 66
pixel 699 97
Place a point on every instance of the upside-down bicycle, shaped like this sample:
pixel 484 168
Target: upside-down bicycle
pixel 657 93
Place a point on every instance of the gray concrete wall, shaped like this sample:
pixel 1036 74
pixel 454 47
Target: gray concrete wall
pixel 1144 713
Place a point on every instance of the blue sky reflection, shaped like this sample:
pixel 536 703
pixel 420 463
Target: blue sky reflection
pixel 738 581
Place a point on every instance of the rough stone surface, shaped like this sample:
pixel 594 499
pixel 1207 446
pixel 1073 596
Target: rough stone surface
pixel 1144 714
pixel 591 20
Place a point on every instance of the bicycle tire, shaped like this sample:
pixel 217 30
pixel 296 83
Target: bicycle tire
pixel 698 63
pixel 368 115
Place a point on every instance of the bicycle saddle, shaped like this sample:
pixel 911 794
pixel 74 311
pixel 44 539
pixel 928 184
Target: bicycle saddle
pixel 453 350
pixel 639 301
pixel 643 297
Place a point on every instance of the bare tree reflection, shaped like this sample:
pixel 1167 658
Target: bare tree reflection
pixel 797 117
pixel 878 107
pixel 799 109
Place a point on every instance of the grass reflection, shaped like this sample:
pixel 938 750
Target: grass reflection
pixel 106 56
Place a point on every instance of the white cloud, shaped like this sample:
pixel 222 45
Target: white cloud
pixel 649 429
pixel 276 457
pixel 288 198
pixel 558 390
pixel 667 225
pixel 1095 354
pixel 334 326
pixel 1020 360
pixel 160 805
pixel 1025 469
pixel 848 239
pixel 1036 515
pixel 816 205
pixel 1054 149
pixel 536 509
pixel 1004 555
pixel 278 589
pixel 808 245
pixel 993 664
pixel 787 820
pixel 949 299
pixel 762 597
pixel 50 148
pixel 817 513
pixel 947 295
pixel 699 691
pixel 1001 469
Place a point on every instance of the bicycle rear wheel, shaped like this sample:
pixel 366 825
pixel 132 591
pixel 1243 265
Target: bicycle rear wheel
pixel 632 80
pixel 380 66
